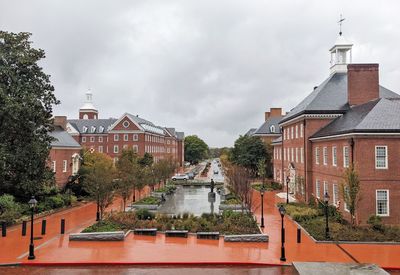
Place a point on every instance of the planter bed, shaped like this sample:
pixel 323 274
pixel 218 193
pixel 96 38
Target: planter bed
pixel 247 238
pixel 145 231
pixel 145 206
pixel 98 236
pixel 176 233
pixel 233 207
pixel 208 235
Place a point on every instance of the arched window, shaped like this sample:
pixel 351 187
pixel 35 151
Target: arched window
pixel 85 116
pixel 75 163
pixel 272 129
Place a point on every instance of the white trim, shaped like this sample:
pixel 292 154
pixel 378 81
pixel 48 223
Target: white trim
pixel 54 166
pixel 334 156
pixel 376 203
pixel 126 132
pixel 310 116
pixel 346 164
pixel 121 118
pixel 65 166
pixel 325 155
pixel 386 157
pixel 355 134
pixel 317 189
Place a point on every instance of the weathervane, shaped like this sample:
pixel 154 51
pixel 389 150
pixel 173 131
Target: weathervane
pixel 340 24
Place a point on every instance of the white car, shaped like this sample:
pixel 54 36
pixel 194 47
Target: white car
pixel 180 177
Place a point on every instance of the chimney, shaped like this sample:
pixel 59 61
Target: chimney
pixel 362 83
pixel 267 115
pixel 276 112
pixel 60 121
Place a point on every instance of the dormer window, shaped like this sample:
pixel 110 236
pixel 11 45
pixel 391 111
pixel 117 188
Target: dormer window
pixel 101 129
pixel 84 129
pixel 272 129
pixel 93 129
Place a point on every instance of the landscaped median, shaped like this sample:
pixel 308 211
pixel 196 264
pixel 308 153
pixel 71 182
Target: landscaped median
pixel 312 219
pixel 235 226
pixel 150 203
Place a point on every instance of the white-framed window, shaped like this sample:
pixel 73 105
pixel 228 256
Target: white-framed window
pixel 100 149
pixel 382 202
pixel 334 156
pixel 335 194
pixel 272 129
pixel 116 137
pixel 116 149
pixel 85 116
pixel 93 129
pixel 100 139
pixel 325 155
pixel 284 133
pixel 346 156
pixel 316 155
pixel 284 153
pixel 326 187
pixel 126 137
pixel 297 154
pixel 135 148
pixel 301 154
pixel 381 157
pixel 84 129
pixel 91 139
pixel 135 137
pixel 292 154
pixel 345 206
pixel 65 165
pixel 101 129
pixel 292 130
pixel 54 166
pixel 297 131
pixel 317 189
pixel 301 130
pixel 83 139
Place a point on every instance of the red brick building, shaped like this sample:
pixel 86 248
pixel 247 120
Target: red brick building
pixel 269 130
pixel 64 157
pixel 111 136
pixel 348 119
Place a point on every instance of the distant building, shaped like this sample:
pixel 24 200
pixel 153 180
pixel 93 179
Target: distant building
pixel 269 130
pixel 348 119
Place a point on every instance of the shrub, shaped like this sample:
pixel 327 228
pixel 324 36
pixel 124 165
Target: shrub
pixel 103 226
pixel 144 214
pixel 149 201
pixel 9 209
pixel 375 222
pixel 55 201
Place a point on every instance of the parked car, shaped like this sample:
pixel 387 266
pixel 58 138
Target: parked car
pixel 190 175
pixel 180 177
pixel 215 172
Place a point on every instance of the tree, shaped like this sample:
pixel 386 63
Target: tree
pixel 350 189
pixel 248 151
pixel 146 160
pixel 26 102
pixel 195 149
pixel 126 174
pixel 164 169
pixel 262 170
pixel 239 181
pixel 98 174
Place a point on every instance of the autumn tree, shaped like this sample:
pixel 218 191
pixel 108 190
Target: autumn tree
pixel 164 169
pixel 126 174
pixel 98 175
pixel 350 189
pixel 26 104
pixel 239 181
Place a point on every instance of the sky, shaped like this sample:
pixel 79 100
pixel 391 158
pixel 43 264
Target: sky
pixel 210 67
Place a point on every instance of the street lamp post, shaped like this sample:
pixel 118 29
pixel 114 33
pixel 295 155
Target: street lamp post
pixel 98 208
pixel 262 205
pixel 287 189
pixel 32 204
pixel 282 211
pixel 326 200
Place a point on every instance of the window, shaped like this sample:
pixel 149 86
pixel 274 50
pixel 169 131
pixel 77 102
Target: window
pixel 284 153
pixel 346 159
pixel 316 155
pixel 101 129
pixel 84 129
pixel 335 194
pixel 292 130
pixel 83 139
pixel 125 146
pixel 91 139
pixel 334 156
pixel 302 155
pixel 326 187
pixel 292 154
pixel 126 137
pixel 85 116
pixel 116 137
pixel 135 137
pixel 93 129
pixel 168 142
pixel 54 166
pixel 381 157
pixel 135 148
pixel 284 134
pixel 325 155
pixel 272 129
pixel 297 154
pixel 168 150
pixel 297 131
pixel 65 163
pixel 345 206
pixel 382 202
pixel 301 130
pixel 100 139
pixel 317 190
pixel 125 124
pixel 100 149
pixel 116 149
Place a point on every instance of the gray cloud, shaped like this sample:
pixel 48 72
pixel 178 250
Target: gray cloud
pixel 206 67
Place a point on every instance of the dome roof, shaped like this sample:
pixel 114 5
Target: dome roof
pixel 88 106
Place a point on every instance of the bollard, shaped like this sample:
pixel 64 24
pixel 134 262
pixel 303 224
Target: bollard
pixel 62 226
pixel 298 235
pixel 3 229
pixel 24 228
pixel 43 227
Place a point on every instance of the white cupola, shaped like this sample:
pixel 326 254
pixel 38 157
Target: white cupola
pixel 88 111
pixel 341 54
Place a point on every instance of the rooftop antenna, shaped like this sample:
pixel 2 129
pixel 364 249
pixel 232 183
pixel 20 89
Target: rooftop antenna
pixel 340 24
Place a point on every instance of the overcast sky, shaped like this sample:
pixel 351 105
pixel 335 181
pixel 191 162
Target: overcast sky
pixel 205 67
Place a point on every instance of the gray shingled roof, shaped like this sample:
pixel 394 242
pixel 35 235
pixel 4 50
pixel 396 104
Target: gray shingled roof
pixel 330 97
pixel 277 140
pixel 78 124
pixel 180 135
pixel 63 139
pixel 265 128
pixel 381 115
pixel 250 132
